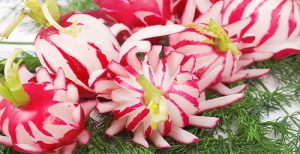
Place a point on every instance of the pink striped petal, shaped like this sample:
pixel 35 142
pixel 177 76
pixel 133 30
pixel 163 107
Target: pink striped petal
pixel 84 137
pixel 115 127
pixel 105 107
pixel 158 140
pixel 139 138
pixel 182 136
pixel 224 90
pixel 219 102
pixel 203 122
pixel 209 78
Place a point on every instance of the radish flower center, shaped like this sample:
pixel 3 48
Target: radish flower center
pixel 220 39
pixel 154 100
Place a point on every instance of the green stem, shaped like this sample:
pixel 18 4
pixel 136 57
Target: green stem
pixel 13 25
pixel 16 43
pixel 33 9
pixel 280 106
pixel 11 88
pixel 71 30
pixel 53 9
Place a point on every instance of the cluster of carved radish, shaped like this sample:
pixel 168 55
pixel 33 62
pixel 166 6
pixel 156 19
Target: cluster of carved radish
pixel 154 90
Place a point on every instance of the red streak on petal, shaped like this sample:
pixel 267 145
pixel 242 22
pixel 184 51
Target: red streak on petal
pixel 292 21
pixel 237 14
pixel 275 17
pixel 167 126
pixel 136 120
pixel 248 39
pixel 184 116
pixel 78 68
pixel 285 52
pixel 254 17
pixel 47 64
pixel 132 71
pixel 119 114
pixel 102 57
pixel 127 85
pixel 186 96
pixel 148 131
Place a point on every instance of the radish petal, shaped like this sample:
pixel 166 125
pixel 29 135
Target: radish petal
pixel 115 127
pixel 139 138
pixel 182 136
pixel 158 140
pixel 84 137
pixel 219 102
pixel 224 90
pixel 203 122
pixel 104 107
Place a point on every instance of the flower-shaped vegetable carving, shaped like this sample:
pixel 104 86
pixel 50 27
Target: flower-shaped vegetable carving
pixel 41 113
pixel 208 46
pixel 154 97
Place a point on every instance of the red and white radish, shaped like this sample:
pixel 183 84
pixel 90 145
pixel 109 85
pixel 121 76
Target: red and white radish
pixel 100 81
pixel 76 42
pixel 274 24
pixel 41 113
pixel 208 46
pixel 155 98
pixel 135 14
pixel 263 28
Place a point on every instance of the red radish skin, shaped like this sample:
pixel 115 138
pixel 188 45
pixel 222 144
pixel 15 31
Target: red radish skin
pixel 52 121
pixel 135 14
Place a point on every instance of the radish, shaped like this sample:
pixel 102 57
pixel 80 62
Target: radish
pixel 279 34
pixel 135 14
pixel 263 28
pixel 41 114
pixel 208 46
pixel 78 43
pixel 154 97
pixel 100 81
pixel 186 10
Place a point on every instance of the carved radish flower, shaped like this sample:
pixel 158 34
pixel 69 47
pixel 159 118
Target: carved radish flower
pixel 154 98
pixel 135 14
pixel 92 48
pixel 78 43
pixel 263 28
pixel 208 46
pixel 42 116
pixel 274 24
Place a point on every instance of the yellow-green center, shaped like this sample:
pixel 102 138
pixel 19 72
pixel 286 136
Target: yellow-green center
pixel 154 100
pixel 220 39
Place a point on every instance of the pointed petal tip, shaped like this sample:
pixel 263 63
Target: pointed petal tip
pixel 84 137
